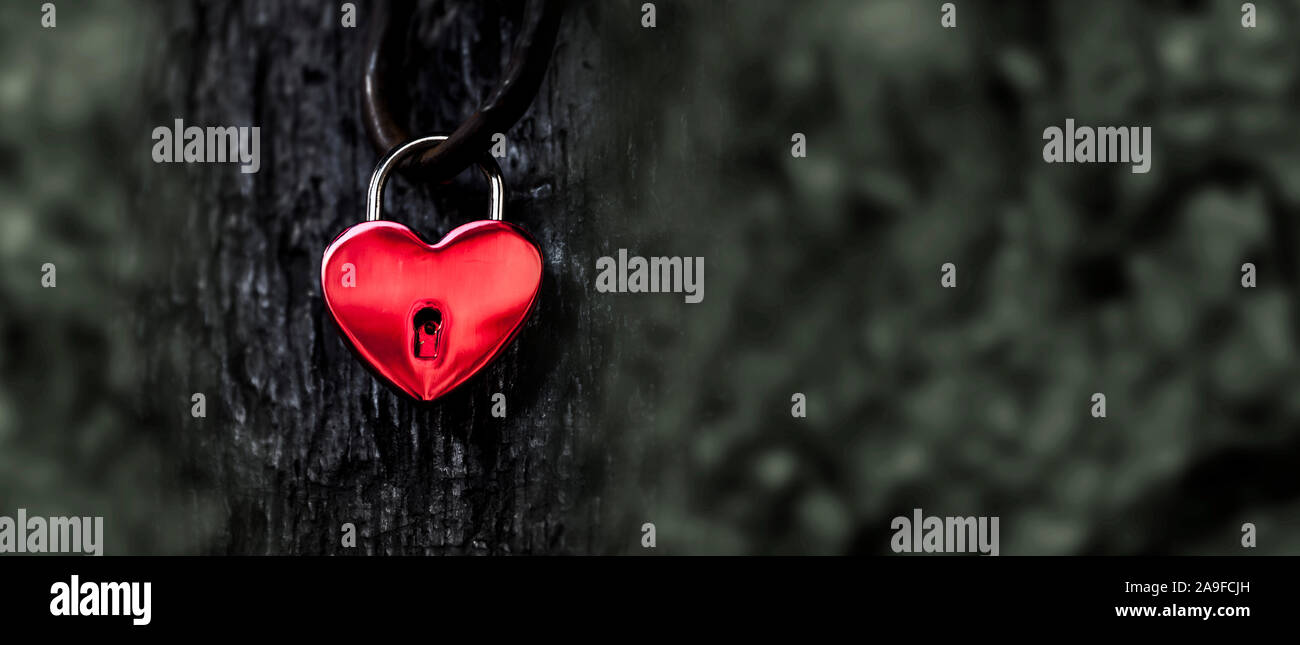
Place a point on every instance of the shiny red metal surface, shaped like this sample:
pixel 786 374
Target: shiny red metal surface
pixel 427 317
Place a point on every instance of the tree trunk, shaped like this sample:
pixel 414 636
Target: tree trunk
pixel 299 439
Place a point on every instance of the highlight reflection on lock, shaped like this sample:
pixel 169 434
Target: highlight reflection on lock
pixel 428 331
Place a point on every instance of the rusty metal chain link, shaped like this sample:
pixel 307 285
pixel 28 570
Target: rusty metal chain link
pixel 503 107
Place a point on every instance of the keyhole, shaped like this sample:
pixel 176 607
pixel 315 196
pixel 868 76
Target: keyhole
pixel 428 327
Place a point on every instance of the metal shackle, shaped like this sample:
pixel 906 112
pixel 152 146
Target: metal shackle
pixel 375 195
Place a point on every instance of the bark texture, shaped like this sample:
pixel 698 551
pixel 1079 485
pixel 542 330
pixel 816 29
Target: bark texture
pixel 299 438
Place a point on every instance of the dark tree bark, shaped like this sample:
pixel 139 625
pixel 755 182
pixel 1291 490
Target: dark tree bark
pixel 299 438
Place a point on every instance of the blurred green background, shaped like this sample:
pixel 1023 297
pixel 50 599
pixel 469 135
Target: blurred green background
pixel 78 435
pixel 821 276
pixel 924 147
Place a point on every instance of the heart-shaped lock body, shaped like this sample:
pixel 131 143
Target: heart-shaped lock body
pixel 426 317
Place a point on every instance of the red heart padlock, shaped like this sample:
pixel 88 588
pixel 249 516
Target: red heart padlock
pixel 427 317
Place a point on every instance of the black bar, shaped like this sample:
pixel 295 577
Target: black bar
pixel 191 595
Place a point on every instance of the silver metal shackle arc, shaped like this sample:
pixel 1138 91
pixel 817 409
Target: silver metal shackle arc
pixel 375 195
